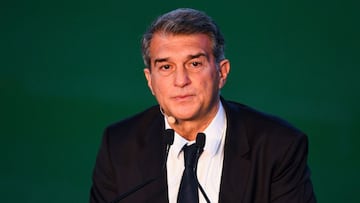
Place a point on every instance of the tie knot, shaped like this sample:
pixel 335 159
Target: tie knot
pixel 189 155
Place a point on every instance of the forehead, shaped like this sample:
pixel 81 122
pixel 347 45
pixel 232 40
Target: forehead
pixel 169 45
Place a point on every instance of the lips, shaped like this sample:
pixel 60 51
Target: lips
pixel 183 97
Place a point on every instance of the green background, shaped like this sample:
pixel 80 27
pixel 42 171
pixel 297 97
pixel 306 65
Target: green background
pixel 70 68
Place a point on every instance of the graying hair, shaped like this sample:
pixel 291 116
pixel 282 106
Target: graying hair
pixel 184 21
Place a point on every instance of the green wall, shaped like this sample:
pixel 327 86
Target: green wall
pixel 69 68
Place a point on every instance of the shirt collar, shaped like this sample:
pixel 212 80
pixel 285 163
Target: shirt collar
pixel 214 134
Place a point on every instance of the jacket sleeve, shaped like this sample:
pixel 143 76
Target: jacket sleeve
pixel 291 176
pixel 103 189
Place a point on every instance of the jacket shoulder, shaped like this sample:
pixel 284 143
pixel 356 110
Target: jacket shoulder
pixel 254 118
pixel 140 120
pixel 137 127
pixel 258 126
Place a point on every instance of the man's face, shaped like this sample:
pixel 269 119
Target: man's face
pixel 184 76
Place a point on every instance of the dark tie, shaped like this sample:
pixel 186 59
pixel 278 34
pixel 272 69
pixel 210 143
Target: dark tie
pixel 188 191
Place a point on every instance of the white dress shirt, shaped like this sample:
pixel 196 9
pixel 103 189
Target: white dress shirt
pixel 210 162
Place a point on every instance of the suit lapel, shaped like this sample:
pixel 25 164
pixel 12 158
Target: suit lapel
pixel 236 165
pixel 151 166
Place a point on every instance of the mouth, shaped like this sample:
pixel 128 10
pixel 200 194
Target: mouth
pixel 183 97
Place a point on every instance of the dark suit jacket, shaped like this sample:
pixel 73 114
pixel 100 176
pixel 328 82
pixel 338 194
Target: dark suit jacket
pixel 265 159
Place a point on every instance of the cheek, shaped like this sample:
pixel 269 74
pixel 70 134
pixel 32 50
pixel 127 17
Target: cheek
pixel 208 87
pixel 159 86
pixel 213 81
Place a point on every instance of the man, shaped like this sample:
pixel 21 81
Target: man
pixel 248 156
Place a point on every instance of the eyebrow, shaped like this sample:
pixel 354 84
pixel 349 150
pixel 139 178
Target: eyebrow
pixel 197 56
pixel 160 60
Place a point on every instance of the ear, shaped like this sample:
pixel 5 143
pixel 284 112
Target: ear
pixel 147 74
pixel 224 69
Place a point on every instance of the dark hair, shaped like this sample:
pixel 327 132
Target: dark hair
pixel 184 21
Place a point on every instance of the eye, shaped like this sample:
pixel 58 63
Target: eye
pixel 195 63
pixel 165 67
pixel 195 66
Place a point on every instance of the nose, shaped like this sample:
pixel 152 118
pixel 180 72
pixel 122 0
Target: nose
pixel 181 77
